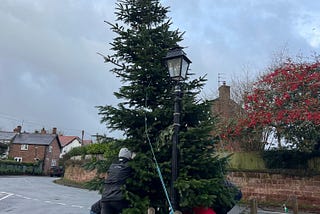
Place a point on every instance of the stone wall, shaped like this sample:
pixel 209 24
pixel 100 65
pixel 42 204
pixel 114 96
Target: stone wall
pixel 279 189
pixel 75 172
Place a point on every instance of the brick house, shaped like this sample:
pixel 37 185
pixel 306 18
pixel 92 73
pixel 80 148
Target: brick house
pixel 31 147
pixel 227 110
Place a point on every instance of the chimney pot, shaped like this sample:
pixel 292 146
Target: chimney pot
pixel 224 92
pixel 43 131
pixel 54 130
pixel 18 129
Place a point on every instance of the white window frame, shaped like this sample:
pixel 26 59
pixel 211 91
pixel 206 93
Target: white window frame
pixel 18 159
pixel 53 162
pixel 50 148
pixel 24 147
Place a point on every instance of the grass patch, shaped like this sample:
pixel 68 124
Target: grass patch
pixel 69 183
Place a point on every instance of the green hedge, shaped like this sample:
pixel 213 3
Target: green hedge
pixel 8 167
pixel 247 161
pixel 289 159
pixel 92 149
pixel 276 160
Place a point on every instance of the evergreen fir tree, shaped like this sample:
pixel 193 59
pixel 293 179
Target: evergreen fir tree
pixel 145 114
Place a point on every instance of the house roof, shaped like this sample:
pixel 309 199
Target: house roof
pixel 34 139
pixel 7 135
pixel 87 142
pixel 65 140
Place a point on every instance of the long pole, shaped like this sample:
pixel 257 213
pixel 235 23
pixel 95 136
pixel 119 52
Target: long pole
pixel 175 141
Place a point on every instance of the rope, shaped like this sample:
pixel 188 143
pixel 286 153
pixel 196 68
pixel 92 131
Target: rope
pixel 156 162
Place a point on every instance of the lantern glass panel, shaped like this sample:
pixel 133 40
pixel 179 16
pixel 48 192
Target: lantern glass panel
pixel 184 68
pixel 174 66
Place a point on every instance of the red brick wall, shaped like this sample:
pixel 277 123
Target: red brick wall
pixel 34 151
pixel 279 189
pixel 53 155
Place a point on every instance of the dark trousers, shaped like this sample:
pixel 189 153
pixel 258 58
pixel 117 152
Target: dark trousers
pixel 113 207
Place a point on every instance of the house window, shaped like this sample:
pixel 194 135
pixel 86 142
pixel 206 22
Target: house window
pixel 53 162
pixel 18 159
pixel 50 148
pixel 24 147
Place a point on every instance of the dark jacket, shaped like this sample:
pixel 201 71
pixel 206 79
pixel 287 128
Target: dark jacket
pixel 117 175
pixel 96 207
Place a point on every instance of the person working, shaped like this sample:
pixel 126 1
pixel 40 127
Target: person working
pixel 112 200
pixel 96 207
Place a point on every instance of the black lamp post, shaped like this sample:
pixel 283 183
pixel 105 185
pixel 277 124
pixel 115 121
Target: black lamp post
pixel 178 65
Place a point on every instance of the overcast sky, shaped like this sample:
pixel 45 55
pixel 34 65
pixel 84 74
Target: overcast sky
pixel 51 76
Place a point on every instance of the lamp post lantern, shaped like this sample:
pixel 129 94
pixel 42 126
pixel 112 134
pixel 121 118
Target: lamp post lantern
pixel 178 65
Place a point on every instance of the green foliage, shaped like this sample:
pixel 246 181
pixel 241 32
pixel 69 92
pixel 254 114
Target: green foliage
pixel 138 204
pixel 97 148
pixel 3 147
pixel 190 195
pixel 288 159
pixel 247 161
pixel 81 150
pixel 105 147
pixel 9 167
pixel 95 184
pixel 145 113
pixel 70 183
pixel 314 164
pixel 13 162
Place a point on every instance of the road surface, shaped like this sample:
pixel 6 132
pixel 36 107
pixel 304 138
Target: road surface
pixel 38 195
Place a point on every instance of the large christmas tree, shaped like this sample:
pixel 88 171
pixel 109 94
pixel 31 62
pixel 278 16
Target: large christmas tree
pixel 145 114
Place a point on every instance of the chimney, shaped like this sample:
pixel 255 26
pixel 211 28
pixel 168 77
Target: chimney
pixel 224 92
pixel 82 134
pixel 18 129
pixel 43 131
pixel 54 130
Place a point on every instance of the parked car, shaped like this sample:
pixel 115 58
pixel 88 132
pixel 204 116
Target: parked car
pixel 57 171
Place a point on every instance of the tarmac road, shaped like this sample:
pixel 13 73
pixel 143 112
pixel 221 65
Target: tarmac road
pixel 38 195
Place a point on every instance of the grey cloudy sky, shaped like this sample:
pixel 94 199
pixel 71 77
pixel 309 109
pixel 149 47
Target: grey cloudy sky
pixel 51 76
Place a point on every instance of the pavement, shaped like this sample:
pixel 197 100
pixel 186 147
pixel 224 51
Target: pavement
pixel 245 210
pixel 242 209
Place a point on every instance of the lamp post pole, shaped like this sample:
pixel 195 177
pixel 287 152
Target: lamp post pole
pixel 175 141
pixel 178 65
